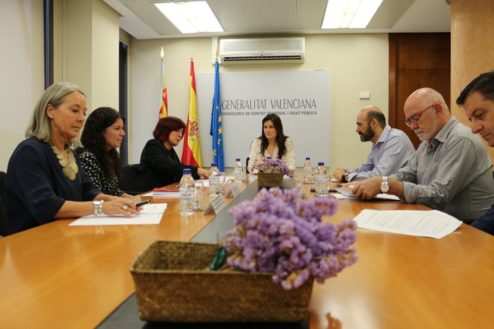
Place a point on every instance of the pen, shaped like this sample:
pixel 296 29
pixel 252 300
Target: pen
pixel 142 203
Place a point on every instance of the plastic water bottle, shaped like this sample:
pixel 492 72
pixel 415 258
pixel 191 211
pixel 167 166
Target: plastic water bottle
pixel 214 181
pixel 321 180
pixel 238 170
pixel 308 177
pixel 186 193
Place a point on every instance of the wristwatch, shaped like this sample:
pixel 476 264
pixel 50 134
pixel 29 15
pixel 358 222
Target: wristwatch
pixel 384 184
pixel 98 207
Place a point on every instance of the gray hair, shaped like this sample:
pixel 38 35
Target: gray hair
pixel 40 126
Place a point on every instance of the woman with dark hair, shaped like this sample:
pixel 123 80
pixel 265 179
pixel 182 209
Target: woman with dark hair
pixel 272 143
pixel 160 164
pixel 102 135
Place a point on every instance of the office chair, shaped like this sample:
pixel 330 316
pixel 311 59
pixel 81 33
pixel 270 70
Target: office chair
pixel 129 181
pixel 3 216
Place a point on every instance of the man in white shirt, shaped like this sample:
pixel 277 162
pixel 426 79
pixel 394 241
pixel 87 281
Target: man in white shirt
pixel 391 147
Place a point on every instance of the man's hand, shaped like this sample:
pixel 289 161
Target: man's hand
pixel 338 173
pixel 368 188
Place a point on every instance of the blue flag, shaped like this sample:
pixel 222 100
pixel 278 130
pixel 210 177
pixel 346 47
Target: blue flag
pixel 217 122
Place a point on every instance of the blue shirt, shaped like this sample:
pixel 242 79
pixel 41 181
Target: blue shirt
pixel 36 187
pixel 390 153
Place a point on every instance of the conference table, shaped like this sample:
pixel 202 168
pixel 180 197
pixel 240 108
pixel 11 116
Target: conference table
pixel 56 276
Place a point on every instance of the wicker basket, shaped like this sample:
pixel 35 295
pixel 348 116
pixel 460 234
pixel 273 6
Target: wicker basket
pixel 173 284
pixel 269 179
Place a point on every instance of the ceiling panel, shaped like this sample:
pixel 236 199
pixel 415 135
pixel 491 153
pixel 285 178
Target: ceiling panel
pixel 142 20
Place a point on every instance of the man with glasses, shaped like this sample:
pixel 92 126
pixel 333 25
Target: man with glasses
pixel 391 147
pixel 450 171
pixel 477 99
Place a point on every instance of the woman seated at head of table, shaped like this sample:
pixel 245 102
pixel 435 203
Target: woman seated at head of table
pixel 272 143
pixel 44 178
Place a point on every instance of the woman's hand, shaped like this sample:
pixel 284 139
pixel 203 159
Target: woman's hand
pixel 120 206
pixel 136 198
pixel 203 173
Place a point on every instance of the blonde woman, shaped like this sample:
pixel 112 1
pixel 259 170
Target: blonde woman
pixel 44 178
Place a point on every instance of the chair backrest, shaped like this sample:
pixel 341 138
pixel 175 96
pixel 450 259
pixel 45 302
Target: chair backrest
pixel 129 181
pixel 3 216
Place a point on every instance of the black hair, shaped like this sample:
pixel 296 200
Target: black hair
pixel 93 139
pixel 280 136
pixel 484 84
pixel 379 116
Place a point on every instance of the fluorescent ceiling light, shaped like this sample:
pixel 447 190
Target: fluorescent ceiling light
pixel 191 17
pixel 352 14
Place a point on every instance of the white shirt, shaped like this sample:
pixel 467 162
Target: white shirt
pixel 255 154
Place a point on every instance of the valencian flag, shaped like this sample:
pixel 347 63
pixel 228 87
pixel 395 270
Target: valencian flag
pixel 164 96
pixel 217 122
pixel 191 154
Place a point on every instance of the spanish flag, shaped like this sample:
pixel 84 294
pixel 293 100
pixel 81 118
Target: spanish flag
pixel 191 154
pixel 164 96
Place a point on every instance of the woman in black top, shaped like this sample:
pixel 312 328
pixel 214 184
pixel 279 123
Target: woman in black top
pixel 160 164
pixel 102 135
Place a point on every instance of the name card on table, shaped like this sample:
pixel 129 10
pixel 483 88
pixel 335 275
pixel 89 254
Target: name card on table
pixel 236 189
pixel 216 205
pixel 233 190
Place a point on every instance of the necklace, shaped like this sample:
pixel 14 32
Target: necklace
pixel 68 163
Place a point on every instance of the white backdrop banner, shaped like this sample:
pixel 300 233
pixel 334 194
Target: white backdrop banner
pixel 300 98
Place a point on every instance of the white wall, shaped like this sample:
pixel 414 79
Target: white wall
pixel 21 70
pixel 86 49
pixel 106 35
pixel 86 37
pixel 357 62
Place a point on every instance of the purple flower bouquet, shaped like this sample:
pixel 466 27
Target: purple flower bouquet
pixel 282 233
pixel 270 166
pixel 270 172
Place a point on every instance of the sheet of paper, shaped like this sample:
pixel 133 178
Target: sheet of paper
pixel 163 195
pixel 429 223
pixel 150 214
pixel 345 192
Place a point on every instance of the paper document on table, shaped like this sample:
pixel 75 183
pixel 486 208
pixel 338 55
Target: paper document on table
pixel 430 223
pixel 163 195
pixel 151 213
pixel 345 192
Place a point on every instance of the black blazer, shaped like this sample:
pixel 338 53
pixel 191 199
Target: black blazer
pixel 160 167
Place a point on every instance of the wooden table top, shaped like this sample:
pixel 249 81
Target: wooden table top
pixel 60 276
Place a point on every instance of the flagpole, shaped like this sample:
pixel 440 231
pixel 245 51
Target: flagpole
pixel 164 97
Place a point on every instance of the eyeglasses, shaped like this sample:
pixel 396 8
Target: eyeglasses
pixel 414 119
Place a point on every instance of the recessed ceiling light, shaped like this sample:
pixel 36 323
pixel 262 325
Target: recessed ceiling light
pixel 352 14
pixel 191 16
